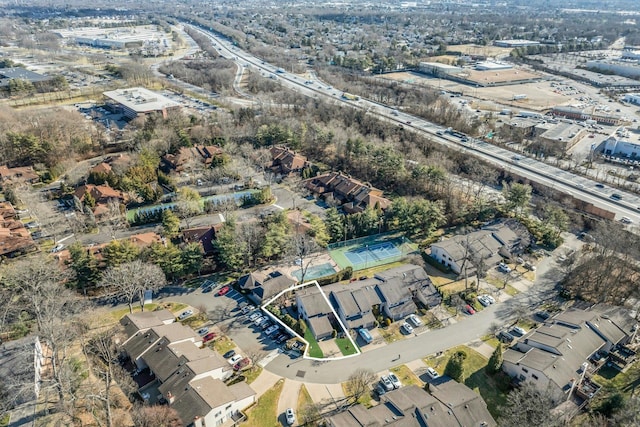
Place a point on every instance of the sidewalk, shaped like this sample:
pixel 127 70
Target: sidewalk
pixel 265 381
pixel 328 394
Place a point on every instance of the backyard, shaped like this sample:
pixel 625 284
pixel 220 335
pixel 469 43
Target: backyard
pixel 492 388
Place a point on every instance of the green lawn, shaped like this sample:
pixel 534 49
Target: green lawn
pixel 406 376
pixel 223 344
pixel 510 290
pixel 345 346
pixel 4 421
pixel 263 413
pixel 391 333
pixel 314 348
pixel 252 373
pixel 491 340
pixel 493 389
pixel 119 313
pixel 613 380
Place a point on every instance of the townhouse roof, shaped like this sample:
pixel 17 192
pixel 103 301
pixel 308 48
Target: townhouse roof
pixel 393 291
pixel 408 273
pixel 274 283
pixel 467 406
pixel 314 303
pixel 321 325
pixel 287 160
pixel 176 332
pixel 203 235
pixel 134 322
pixel 140 342
pixel 143 240
pixel 596 319
pixel 166 358
pixel 354 193
pixel 251 280
pixel 358 302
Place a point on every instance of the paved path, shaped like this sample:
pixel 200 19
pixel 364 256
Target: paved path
pixel 327 394
pixel 265 381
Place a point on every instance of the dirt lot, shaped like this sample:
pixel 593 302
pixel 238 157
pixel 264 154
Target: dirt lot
pixel 474 49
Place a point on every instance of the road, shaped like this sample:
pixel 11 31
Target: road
pixel 560 180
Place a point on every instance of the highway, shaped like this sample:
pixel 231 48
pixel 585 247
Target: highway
pixel 626 205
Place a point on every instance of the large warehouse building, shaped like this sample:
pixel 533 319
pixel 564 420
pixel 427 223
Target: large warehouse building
pixel 138 101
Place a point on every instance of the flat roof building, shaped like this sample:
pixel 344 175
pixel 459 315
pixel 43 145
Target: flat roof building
pixel 515 43
pixel 137 101
pixel 624 142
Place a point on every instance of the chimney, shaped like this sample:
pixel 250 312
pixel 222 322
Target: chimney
pixel 170 398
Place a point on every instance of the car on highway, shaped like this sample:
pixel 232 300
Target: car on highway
pixel 210 336
pixel 615 196
pixel 290 416
pixel 414 320
pixel 223 291
pixel 386 382
pixel 394 380
pixel 432 373
pixel 407 328
pixel 599 185
pixel 202 331
pixel 185 314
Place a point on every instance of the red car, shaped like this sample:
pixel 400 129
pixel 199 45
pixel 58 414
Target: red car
pixel 242 364
pixel 223 290
pixel 469 309
pixel 210 336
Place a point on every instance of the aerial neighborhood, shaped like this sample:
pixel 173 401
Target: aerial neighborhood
pixel 339 214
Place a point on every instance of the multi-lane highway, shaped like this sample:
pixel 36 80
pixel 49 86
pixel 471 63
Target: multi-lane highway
pixel 625 205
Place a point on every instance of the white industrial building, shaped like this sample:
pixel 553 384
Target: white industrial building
pixel 625 68
pixel 624 143
pixel 116 38
pixel 515 43
pixel 439 69
pixel 632 98
pixel 138 101
pixel 492 66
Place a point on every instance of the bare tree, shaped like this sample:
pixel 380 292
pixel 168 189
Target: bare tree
pixel 529 406
pixel 311 413
pixel 359 383
pixel 155 416
pixel 131 279
pixel 305 249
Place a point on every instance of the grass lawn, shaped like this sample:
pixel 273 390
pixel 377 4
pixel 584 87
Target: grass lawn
pixel 510 290
pixel 223 344
pixel 391 333
pixel 614 380
pixel 438 277
pixel 252 373
pixel 431 321
pixel 263 413
pixel 304 399
pixel 406 376
pixel 493 389
pixel 119 313
pixel 314 348
pixel 365 400
pixel 345 346
pixel 491 340
pixel 196 321
pixel 4 421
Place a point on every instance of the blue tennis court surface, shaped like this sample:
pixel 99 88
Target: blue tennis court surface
pixel 315 272
pixel 371 253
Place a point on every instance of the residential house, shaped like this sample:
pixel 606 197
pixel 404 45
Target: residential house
pixel 286 162
pixel 557 353
pixel 316 311
pixel 142 321
pixel 261 286
pixel 202 154
pixel 137 345
pixel 205 235
pixel 355 306
pixel 21 366
pixel 102 194
pixel 19 174
pixel 354 196
pixel 416 280
pixel 15 239
pixel 397 299
pixel 101 168
pixel 412 406
pixel 483 248
pixel 209 402
pixel 467 406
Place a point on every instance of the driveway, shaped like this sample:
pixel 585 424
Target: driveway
pixel 289 396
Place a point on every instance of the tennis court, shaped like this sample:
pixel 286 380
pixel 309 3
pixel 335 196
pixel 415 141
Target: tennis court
pixel 315 272
pixel 370 251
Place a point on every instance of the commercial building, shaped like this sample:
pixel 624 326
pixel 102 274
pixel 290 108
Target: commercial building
pixel 632 98
pixel 515 43
pixel 117 38
pixel 626 68
pixel 438 69
pixel 485 74
pixel 624 143
pixel 19 73
pixel 138 101
pixel 574 113
pixel 492 66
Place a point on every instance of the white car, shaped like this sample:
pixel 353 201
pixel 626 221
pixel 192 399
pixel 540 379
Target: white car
pixel 290 416
pixel 185 314
pixel 504 268
pixel 432 373
pixel 386 382
pixel 235 359
pixel 394 380
pixel 414 320
pixel 259 320
pixel 254 316
pixel 271 330
pixel 407 328
pixel 57 248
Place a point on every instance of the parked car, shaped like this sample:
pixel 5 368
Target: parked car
pixel 243 363
pixel 281 338
pixel 271 330
pixel 505 337
pixel 504 268
pixel 380 389
pixel 386 382
pixel 406 328
pixel 265 324
pixel 414 320
pixel 616 196
pixel 223 290
pixel 482 299
pixel 235 359
pixel 57 248
pixel 517 331
pixel 229 354
pixel 207 289
pixel 202 331
pixel 210 336
pixel 185 314
pixel 394 380
pixel 432 373
pixel 469 310
pixel 365 335
pixel 254 316
pixel 258 320
pixel 544 315
pixel 290 416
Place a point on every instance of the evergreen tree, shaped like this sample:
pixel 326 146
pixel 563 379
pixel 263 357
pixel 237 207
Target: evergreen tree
pixel 170 224
pixel 455 366
pixel 495 361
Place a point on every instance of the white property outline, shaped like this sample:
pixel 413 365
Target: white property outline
pixel 306 350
